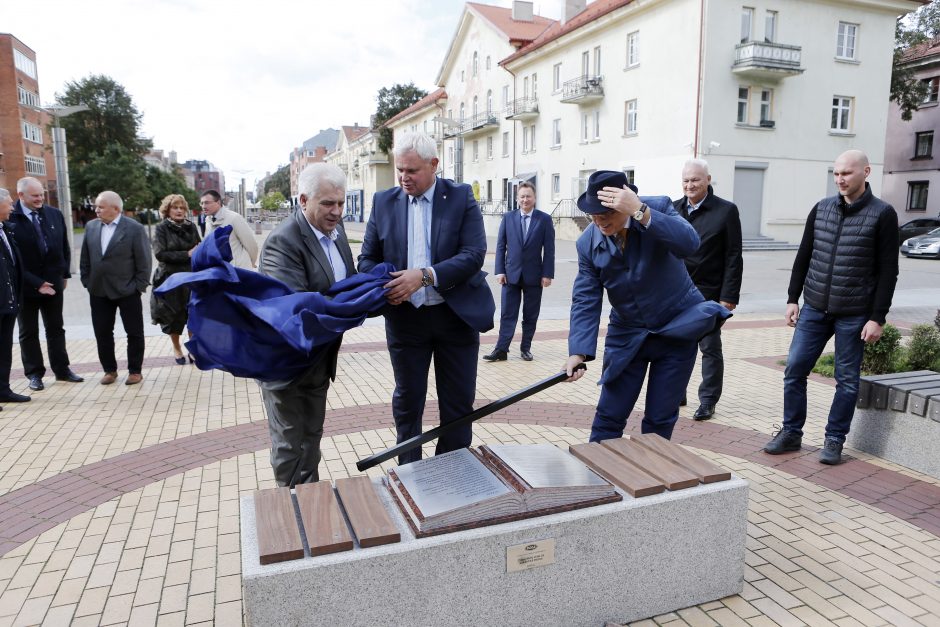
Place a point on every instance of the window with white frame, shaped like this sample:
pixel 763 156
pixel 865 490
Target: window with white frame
pixel 585 125
pixel 556 77
pixel 535 85
pixel 630 121
pixel 27 97
pixel 531 137
pixel 933 89
pixel 845 41
pixel 743 97
pixel 505 143
pixel 585 62
pixel 525 86
pixel 476 63
pixel 35 165
pixel 476 108
pixel 525 139
pixel 597 61
pixel 463 113
pixel 747 23
pixel 32 133
pixel 450 154
pixel 488 62
pixel 633 49
pixel 476 150
pixel 489 147
pixel 556 132
pixel 841 114
pixel 489 101
pixel 556 185
pixel 766 105
pixel 770 27
pixel 505 95
pixel 25 65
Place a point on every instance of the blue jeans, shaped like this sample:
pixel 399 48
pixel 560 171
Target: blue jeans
pixel 813 330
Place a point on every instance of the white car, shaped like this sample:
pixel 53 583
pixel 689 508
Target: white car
pixel 927 245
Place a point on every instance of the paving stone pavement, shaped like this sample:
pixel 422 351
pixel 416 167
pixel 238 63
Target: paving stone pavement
pixel 119 504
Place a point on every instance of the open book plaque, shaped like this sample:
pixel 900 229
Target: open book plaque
pixel 468 488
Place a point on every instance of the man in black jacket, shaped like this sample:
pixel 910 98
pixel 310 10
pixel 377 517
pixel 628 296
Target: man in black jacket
pixel 11 283
pixel 39 231
pixel 716 268
pixel 846 269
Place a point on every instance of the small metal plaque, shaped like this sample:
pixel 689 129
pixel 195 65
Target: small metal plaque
pixel 530 555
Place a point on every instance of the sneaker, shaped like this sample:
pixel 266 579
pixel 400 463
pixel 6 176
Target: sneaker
pixel 784 442
pixel 831 452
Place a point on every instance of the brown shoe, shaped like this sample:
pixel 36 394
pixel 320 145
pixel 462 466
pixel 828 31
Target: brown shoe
pixel 134 378
pixel 109 378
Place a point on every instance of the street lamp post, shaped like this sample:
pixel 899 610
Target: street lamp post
pixel 60 154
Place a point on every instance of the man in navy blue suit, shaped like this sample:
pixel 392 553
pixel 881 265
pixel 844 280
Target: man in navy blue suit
pixel 438 302
pixel 634 251
pixel 525 263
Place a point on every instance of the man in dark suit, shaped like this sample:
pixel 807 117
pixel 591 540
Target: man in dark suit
pixel 11 283
pixel 439 301
pixel 525 263
pixel 43 243
pixel 115 269
pixel 716 268
pixel 309 252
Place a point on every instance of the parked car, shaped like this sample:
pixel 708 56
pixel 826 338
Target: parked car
pixel 927 245
pixel 917 227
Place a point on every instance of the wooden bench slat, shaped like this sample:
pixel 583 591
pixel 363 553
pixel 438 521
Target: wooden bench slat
pixel 368 517
pixel 673 475
pixel 323 520
pixel 617 470
pixel 278 535
pixel 707 471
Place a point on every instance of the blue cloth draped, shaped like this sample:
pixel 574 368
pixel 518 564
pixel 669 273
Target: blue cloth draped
pixel 253 325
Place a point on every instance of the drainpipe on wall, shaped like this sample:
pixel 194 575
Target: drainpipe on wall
pixel 513 173
pixel 698 88
pixel 440 125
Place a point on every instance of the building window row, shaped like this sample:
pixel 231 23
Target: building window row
pixel 32 133
pixel 846 34
pixel 27 97
pixel 35 165
pixel 24 64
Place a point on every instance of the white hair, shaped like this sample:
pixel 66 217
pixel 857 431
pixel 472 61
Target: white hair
pixel 113 199
pixel 701 163
pixel 24 182
pixel 5 195
pixel 315 175
pixel 419 143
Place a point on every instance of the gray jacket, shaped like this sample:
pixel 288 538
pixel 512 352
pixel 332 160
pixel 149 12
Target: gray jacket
pixel 124 269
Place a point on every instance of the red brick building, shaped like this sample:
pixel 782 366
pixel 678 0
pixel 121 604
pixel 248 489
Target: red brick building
pixel 25 140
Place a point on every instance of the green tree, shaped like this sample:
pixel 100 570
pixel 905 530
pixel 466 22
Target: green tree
pixel 272 201
pixel 392 101
pixel 116 169
pixel 918 28
pixel 279 182
pixel 161 184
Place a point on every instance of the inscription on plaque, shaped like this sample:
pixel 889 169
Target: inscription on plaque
pixel 530 555
pixel 546 466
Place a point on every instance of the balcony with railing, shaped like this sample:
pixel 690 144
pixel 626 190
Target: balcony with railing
pixel 767 60
pixel 522 109
pixel 583 90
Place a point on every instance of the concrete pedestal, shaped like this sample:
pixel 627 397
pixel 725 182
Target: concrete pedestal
pixel 617 562
pixel 898 436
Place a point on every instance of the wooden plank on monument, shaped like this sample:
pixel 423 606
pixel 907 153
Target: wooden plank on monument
pixel 707 471
pixel 367 516
pixel 323 521
pixel 615 469
pixel 278 534
pixel 672 474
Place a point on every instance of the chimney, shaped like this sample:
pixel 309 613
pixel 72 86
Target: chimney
pixel 572 8
pixel 522 11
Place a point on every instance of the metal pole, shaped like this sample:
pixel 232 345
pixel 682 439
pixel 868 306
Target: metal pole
pixel 60 153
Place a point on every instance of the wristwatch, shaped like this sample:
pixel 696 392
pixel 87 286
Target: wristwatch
pixel 638 216
pixel 427 279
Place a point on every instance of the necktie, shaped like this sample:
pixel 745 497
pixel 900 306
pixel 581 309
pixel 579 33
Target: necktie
pixel 420 296
pixel 40 236
pixel 621 238
pixel 525 227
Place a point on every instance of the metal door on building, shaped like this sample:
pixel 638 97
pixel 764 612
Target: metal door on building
pixel 354 205
pixel 513 185
pixel 749 196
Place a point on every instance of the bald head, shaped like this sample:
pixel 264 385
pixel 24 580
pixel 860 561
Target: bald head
pixel 30 192
pixel 850 171
pixel 108 206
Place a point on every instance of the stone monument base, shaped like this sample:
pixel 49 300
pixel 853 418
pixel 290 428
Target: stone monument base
pixel 901 437
pixel 618 562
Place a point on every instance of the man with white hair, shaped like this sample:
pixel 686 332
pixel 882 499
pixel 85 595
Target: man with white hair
pixel 309 252
pixel 115 269
pixel 11 284
pixel 431 229
pixel 716 268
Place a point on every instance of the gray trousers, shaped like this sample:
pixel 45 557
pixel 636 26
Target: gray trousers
pixel 713 367
pixel 296 410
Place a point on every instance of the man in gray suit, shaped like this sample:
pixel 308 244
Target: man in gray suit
pixel 115 269
pixel 309 252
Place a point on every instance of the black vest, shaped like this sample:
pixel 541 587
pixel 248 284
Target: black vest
pixel 843 271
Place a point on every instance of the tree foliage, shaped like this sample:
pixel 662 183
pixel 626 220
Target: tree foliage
pixel 392 101
pixel 272 201
pixel 279 182
pixel 920 27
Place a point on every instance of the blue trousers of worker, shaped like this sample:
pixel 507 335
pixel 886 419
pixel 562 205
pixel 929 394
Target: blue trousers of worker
pixel 530 297
pixel 670 364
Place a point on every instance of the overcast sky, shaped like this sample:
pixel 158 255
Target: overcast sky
pixel 241 82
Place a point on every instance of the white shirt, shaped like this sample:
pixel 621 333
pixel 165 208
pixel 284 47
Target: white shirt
pixel 328 244
pixel 107 232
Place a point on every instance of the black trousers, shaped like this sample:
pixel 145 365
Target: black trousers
pixel 713 367
pixel 103 312
pixel 415 336
pixel 7 321
pixel 30 351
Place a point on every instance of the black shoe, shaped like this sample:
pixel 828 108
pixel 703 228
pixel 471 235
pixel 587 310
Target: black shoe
pixel 69 377
pixel 13 397
pixel 496 355
pixel 784 442
pixel 35 383
pixel 683 402
pixel 704 412
pixel 180 361
pixel 526 355
pixel 831 452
